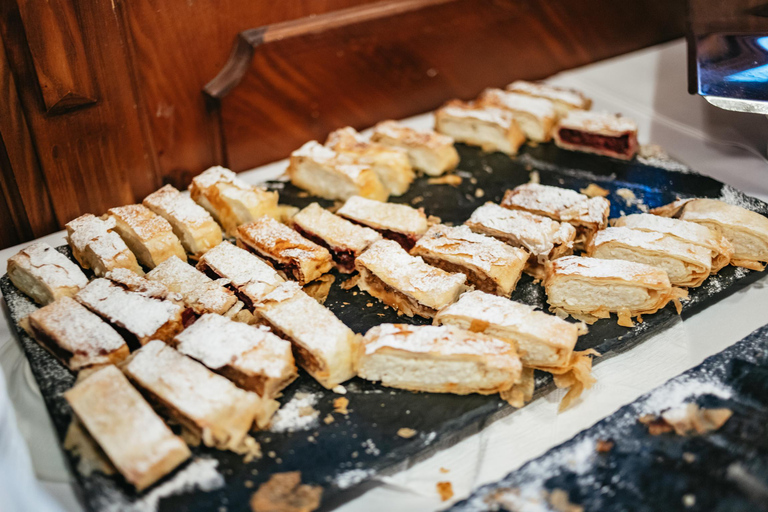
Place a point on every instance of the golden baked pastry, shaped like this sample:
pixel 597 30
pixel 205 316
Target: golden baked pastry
pixel 429 152
pixel 398 222
pixel 535 116
pixel 491 128
pixel 44 274
pixel 598 132
pixel 563 98
pixel 149 236
pixel 97 247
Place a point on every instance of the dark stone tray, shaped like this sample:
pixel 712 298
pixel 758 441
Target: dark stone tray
pixel 343 456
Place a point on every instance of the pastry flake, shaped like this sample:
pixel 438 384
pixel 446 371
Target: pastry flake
pixel 535 116
pixel 97 247
pixel 398 222
pixel 563 98
pixel 44 274
pixel 198 291
pixel 429 152
pixel 598 132
pixel 149 236
pixel 491 128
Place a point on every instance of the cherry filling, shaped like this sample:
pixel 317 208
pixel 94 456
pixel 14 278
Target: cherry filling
pixel 344 258
pixel 290 267
pixel 620 144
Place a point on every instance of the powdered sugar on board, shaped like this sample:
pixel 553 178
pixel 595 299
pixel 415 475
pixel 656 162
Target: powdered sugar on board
pixel 735 197
pixel 298 414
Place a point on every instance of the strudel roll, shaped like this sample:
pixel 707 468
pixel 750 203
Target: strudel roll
pixel 398 222
pixel 489 264
pixel 44 274
pixel 230 200
pixel 285 249
pixel 598 132
pixel 123 424
pixel 589 289
pixel 323 172
pixel 564 99
pixel 204 403
pixel 686 264
pixel 135 283
pixel 149 236
pixel 405 282
pixel 437 359
pixel 493 129
pixel 323 345
pixel 535 116
pixel 96 247
pixel 343 239
pixel 429 152
pixel 191 223
pixel 75 336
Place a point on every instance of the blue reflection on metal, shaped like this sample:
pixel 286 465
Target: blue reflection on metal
pixel 758 74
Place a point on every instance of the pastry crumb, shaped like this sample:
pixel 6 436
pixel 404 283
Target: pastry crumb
pixel 593 190
pixel 603 446
pixel 350 283
pixel 328 419
pixel 445 470
pixel 533 177
pixel 479 193
pixel 686 420
pixel 339 389
pixel 445 490
pixel 406 433
pixel 340 405
pixel 284 492
pixel 449 179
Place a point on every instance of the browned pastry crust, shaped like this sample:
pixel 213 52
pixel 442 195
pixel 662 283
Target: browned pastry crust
pixel 149 236
pixel 97 247
pixel 491 128
pixel 398 222
pixel 44 274
pixel 429 152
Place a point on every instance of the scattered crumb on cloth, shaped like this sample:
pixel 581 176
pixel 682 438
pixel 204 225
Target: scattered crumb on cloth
pixel 686 420
pixel 284 492
pixel 406 433
pixel 445 490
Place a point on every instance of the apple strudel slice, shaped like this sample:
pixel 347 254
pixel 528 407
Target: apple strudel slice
pixel 489 264
pixel 563 98
pixel 598 132
pixel 149 236
pixel 96 247
pixel 251 357
pixel 343 239
pixel 230 200
pixel 429 152
pixel 535 116
pixel 44 274
pixel 589 289
pixel 686 264
pixel 206 404
pixel 437 359
pixel 405 282
pixel 123 424
pixel 285 249
pixel 191 223
pixel 493 129
pixel 323 345
pixel 398 222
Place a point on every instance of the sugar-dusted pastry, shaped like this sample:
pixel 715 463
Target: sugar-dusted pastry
pixel 535 116
pixel 598 132
pixel 343 239
pixel 746 230
pixel 698 234
pixel 686 264
pixel 398 222
pixel 285 249
pixel 405 282
pixel 323 345
pixel 230 200
pixel 135 283
pixel 149 236
pixel 489 264
pixel 134 438
pixel 491 128
pixel 390 164
pixel 250 277
pixel 587 215
pixel 429 152
pixel 589 289
pixel 191 223
pixel 97 247
pixel 44 274
pixel 564 99
pixel 437 359
pixel 251 357
pixel 75 336
pixel 204 403
pixel 544 238
pixel 323 172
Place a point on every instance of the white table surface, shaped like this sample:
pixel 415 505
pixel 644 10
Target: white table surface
pixel 649 86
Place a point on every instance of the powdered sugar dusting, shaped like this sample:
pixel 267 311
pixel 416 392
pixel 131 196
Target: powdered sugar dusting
pixel 735 197
pixel 400 218
pixel 352 477
pixel 298 414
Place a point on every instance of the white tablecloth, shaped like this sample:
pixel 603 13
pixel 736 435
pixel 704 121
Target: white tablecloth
pixel 649 86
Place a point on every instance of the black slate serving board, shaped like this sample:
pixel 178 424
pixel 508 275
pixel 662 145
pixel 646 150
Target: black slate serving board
pixel 343 456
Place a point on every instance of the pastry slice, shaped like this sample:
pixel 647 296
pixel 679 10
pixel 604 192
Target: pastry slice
pixel 746 230
pixel 249 276
pixel 323 345
pixel 563 98
pixel 135 283
pixel 149 236
pixel 75 336
pixel 343 239
pixel 204 403
pixel 535 116
pixel 285 249
pixel 437 359
pixel 589 289
pixel 493 129
pixel 429 152
pixel 134 438
pixel 587 215
pixel 323 172
pixel 598 132
pixel 251 357
pixel 44 274
pixel 96 247
pixel 489 264
pixel 544 238
pixel 697 234
pixel 230 200
pixel 405 282
pixel 686 264
pixel 191 223
pixel 398 222
pixel 390 164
